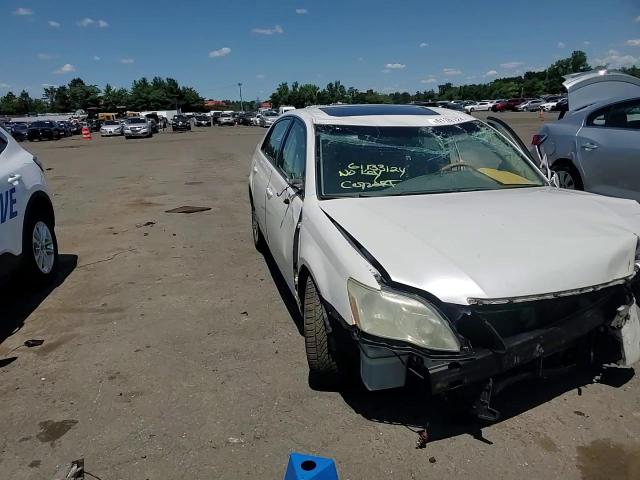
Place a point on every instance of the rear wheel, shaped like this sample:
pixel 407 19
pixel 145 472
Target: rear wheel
pixel 322 362
pixel 568 176
pixel 39 247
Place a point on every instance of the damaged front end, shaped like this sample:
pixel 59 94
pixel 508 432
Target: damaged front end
pixel 505 340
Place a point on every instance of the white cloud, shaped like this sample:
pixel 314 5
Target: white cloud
pixel 428 80
pixel 54 24
pixel 386 70
pixel 66 68
pixel 102 24
pixel 85 22
pixel 561 44
pixel 47 85
pixel 268 31
pixel 5 85
pixel 395 66
pixel 45 56
pixel 127 61
pixel 422 45
pixel 491 73
pixel 511 65
pixel 637 20
pixel 615 60
pixel 302 11
pixel 586 43
pixel 451 71
pixel 260 76
pixel 96 58
pixel 633 43
pixel 361 59
pixel 23 12
pixel 223 52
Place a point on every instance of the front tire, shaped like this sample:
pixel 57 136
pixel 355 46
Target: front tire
pixel 39 248
pixel 322 362
pixel 258 238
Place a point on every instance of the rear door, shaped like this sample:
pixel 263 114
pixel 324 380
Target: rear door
pixel 262 168
pixel 284 203
pixel 13 195
pixel 608 147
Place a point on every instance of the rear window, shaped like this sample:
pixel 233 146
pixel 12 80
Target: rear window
pixel 136 120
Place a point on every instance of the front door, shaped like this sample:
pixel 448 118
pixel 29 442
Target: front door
pixel 284 202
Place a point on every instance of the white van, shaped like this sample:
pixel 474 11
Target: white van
pixel 283 110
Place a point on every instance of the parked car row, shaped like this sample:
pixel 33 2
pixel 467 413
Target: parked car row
pixel 516 104
pixel 42 129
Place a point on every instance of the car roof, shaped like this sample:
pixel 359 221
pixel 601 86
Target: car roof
pixel 377 115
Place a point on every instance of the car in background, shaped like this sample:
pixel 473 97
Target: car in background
pixel 94 124
pixel 507 105
pixel 28 245
pixel 244 119
pixel 111 128
pixel 44 130
pixel 481 106
pixel 76 128
pixel 226 119
pixel 65 127
pixel 180 123
pixel 368 224
pixel 256 119
pixel 137 127
pixel 19 131
pixel 550 103
pixel 595 146
pixel 202 121
pixel 532 105
pixel 268 117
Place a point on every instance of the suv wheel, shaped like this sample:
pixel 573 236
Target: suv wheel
pixel 39 247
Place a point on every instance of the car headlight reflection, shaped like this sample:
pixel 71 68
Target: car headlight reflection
pixel 390 314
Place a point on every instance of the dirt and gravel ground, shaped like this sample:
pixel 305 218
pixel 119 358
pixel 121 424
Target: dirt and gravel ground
pixel 171 350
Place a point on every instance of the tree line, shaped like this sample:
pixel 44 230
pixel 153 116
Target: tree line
pixel 157 94
pixel 530 84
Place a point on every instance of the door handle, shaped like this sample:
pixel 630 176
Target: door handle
pixel 14 178
pixel 589 146
pixel 255 169
pixel 269 193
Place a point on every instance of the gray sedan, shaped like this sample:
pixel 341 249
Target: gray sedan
pixel 596 147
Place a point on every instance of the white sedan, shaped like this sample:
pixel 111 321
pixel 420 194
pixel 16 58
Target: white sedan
pixel 415 239
pixel 482 106
pixel 27 222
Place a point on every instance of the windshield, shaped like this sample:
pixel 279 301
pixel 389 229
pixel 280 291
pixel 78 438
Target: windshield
pixel 379 161
pixel 111 122
pixel 136 120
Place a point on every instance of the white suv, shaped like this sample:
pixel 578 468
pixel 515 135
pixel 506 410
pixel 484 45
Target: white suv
pixel 27 237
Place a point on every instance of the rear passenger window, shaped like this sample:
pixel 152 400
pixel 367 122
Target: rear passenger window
pixel 598 118
pixel 271 145
pixel 625 115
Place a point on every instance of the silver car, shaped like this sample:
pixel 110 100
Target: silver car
pixel 137 127
pixel 268 118
pixel 110 128
pixel 226 119
pixel 595 146
pixel 531 105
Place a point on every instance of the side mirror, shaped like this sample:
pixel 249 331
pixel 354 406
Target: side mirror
pixel 297 184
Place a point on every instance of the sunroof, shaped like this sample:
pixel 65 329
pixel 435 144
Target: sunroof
pixel 366 110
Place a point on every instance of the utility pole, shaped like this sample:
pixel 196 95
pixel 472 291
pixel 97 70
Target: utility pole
pixel 241 104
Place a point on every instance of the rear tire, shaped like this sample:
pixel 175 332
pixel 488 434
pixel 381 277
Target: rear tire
pixel 39 248
pixel 322 362
pixel 568 176
pixel 258 238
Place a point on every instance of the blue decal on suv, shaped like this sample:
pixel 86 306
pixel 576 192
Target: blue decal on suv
pixel 8 205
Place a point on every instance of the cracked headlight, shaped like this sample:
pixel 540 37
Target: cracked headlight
pixel 390 314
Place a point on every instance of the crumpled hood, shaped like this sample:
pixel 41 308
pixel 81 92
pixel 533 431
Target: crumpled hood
pixel 495 244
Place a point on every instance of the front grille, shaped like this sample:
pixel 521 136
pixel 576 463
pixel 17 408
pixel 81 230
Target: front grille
pixel 509 320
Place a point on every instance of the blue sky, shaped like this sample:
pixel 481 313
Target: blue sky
pixel 386 45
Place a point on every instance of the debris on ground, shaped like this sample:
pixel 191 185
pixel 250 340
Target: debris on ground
pixel 188 209
pixel 235 440
pixel 33 343
pixel 423 438
pixel 432 459
pixel 145 224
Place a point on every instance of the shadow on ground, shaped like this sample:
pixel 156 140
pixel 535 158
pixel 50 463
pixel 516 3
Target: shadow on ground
pixel 286 295
pixel 19 299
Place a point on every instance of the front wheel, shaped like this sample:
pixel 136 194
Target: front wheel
pixel 39 248
pixel 258 238
pixel 322 362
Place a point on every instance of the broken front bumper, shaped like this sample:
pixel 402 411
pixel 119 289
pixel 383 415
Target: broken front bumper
pixel 385 363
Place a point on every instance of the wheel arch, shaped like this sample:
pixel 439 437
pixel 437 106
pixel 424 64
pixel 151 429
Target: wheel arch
pixel 40 202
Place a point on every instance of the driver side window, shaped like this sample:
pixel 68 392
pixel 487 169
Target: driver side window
pixel 292 160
